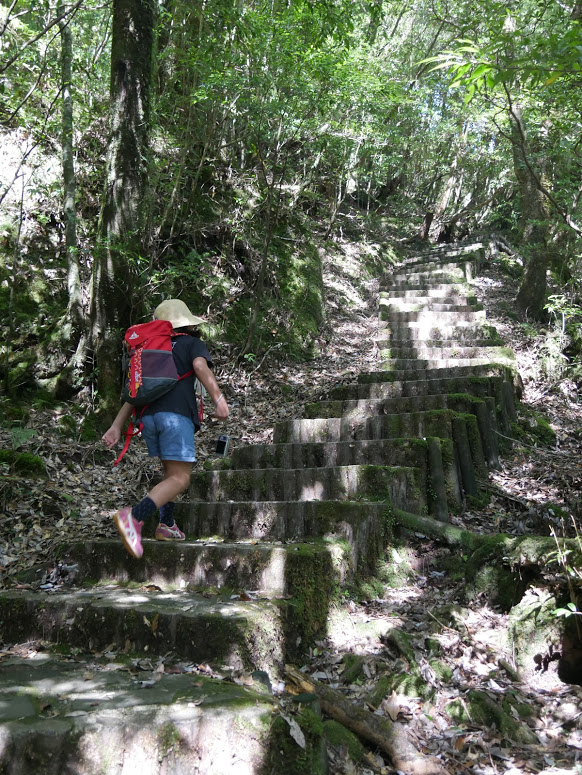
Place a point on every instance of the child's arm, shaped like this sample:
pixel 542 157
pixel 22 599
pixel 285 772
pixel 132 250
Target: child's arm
pixel 113 434
pixel 205 375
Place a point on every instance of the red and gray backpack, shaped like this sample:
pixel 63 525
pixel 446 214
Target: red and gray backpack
pixel 149 370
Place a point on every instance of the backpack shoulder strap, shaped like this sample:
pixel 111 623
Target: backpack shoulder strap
pixel 188 373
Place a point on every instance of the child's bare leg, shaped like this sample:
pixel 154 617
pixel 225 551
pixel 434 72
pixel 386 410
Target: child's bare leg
pixel 176 479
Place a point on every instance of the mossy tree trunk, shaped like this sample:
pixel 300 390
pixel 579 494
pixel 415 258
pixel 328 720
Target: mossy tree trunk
pixel 121 237
pixel 534 214
pixel 75 321
pixel 75 309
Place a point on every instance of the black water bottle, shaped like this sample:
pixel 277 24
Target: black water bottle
pixel 222 445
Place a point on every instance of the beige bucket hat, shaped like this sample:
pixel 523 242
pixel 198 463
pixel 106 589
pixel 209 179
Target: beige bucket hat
pixel 177 313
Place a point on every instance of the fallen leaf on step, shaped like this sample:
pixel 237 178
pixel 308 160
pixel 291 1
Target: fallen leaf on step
pixel 392 705
pixel 295 731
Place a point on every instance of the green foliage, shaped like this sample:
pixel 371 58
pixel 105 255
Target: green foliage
pixel 270 124
pixel 569 610
pixel 21 435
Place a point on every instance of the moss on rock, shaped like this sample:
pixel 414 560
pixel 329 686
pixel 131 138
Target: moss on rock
pixel 479 708
pixel 338 736
pixel 23 463
pixel 286 755
pixel 533 627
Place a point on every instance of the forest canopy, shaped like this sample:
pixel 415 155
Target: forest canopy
pixel 210 150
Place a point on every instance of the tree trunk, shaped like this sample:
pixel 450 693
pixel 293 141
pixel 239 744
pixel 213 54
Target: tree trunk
pixel 74 324
pixel 452 182
pixel 122 215
pixel 75 309
pixel 531 296
pixel 425 228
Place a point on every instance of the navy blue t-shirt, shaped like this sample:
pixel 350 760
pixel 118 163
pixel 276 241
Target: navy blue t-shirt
pixel 181 399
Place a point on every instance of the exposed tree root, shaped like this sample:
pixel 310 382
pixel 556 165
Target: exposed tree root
pixel 390 737
pixel 512 551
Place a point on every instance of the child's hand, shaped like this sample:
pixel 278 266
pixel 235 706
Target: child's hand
pixel 112 436
pixel 221 410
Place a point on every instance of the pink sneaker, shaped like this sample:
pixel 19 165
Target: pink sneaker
pixel 165 533
pixel 130 531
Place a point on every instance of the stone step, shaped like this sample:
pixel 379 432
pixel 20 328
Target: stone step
pixel 396 485
pixel 428 278
pixel 444 288
pixel 481 370
pixel 397 343
pixel 462 428
pixel 434 464
pixel 243 635
pixel 497 386
pixel 417 299
pixel 400 296
pixel 427 305
pixel 419 424
pixel 426 330
pixel 86 714
pixel 396 452
pixel 417 364
pixel 433 256
pixel 359 411
pixel 360 525
pixel 265 568
pixel 449 315
pixel 441 262
pixel 495 353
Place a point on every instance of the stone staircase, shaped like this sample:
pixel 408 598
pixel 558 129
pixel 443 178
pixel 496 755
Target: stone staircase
pixel 272 534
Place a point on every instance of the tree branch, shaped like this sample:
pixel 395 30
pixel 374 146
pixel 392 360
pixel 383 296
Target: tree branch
pixel 535 177
pixel 49 26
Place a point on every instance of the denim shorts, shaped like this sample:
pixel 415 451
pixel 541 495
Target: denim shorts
pixel 169 436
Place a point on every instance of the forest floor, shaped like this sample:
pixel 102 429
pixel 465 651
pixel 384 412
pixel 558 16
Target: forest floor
pixel 536 490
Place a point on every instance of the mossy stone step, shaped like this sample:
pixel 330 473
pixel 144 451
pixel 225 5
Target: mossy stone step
pixel 425 331
pixel 360 525
pixel 496 353
pixel 419 294
pixel 419 424
pixel 443 287
pixel 435 256
pixel 448 314
pixel 441 262
pixel 383 452
pixel 425 278
pixel 357 411
pixel 498 387
pixel 480 370
pixel 379 388
pixel 417 364
pixel 463 429
pixel 242 635
pixel 256 634
pixel 60 714
pixel 264 567
pixel 452 296
pixel 361 409
pixel 397 485
pixel 436 465
pixel 400 345
pixel 428 305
